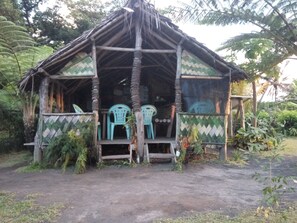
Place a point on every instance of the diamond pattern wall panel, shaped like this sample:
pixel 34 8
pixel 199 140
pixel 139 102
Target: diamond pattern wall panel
pixel 81 65
pixel 191 65
pixel 211 128
pixel 55 125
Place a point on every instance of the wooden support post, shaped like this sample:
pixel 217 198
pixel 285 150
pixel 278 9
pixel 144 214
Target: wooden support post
pixel 95 99
pixel 135 91
pixel 254 103
pixel 230 121
pixel 224 148
pixel 43 108
pixel 43 96
pixel 242 117
pixel 51 101
pixel 178 100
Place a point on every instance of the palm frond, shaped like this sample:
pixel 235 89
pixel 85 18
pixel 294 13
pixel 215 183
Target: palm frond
pixel 245 40
pixel 13 38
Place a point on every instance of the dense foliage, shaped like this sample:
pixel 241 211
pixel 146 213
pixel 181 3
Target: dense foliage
pixel 289 121
pixel 262 138
pixel 66 149
pixel 274 39
pixel 59 22
pixel 11 130
pixel 17 55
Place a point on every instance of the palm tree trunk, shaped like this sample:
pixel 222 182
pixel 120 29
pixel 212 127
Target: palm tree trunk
pixel 135 84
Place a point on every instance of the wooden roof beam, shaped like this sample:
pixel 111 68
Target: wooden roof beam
pixel 133 49
pixel 112 40
pixel 127 67
pixel 165 41
pixel 155 44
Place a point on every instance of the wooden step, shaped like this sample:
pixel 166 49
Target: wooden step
pixel 149 155
pixel 115 157
pixel 161 155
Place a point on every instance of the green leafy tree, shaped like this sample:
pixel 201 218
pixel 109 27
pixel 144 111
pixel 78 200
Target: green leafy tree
pixel 274 42
pixel 292 95
pixel 55 27
pixel 17 55
pixel 10 9
pixel 276 20
pixel 28 8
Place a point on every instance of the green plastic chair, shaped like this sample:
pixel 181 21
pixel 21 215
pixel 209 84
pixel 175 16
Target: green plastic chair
pixel 119 113
pixel 202 107
pixel 78 110
pixel 148 111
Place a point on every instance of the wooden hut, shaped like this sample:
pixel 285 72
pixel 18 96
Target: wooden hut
pixel 135 56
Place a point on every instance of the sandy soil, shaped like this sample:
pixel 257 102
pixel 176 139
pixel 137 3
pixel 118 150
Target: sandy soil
pixel 145 193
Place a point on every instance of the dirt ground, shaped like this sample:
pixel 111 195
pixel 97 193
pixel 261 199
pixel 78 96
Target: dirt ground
pixel 146 192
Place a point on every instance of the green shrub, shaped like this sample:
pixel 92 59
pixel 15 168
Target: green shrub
pixel 66 149
pixel 289 121
pixel 11 131
pixel 262 138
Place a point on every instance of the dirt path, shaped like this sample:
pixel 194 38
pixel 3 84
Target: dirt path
pixel 143 193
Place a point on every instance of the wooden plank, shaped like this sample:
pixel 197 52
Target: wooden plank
pixel 60 77
pixel 127 67
pixel 159 141
pixel 202 77
pixel 187 113
pixel 115 142
pixel 134 49
pixel 68 114
pixel 158 51
pixel 161 156
pixel 115 157
pixel 29 144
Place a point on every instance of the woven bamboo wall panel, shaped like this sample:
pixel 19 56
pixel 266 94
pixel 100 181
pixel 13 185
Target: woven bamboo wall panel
pixel 81 65
pixel 191 65
pixel 55 125
pixel 211 128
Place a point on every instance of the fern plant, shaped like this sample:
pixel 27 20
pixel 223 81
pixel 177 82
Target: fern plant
pixel 66 149
pixel 17 55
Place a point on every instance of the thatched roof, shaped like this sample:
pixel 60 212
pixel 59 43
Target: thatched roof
pixel 117 30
